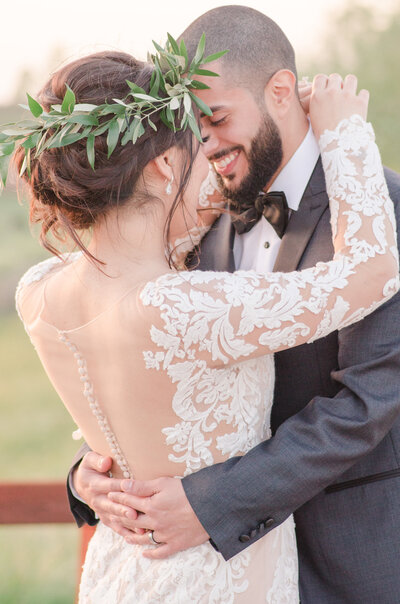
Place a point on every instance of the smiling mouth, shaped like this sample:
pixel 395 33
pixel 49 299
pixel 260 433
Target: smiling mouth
pixel 224 166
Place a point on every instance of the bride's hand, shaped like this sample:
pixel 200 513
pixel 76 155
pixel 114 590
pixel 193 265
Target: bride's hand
pixel 334 99
pixel 304 88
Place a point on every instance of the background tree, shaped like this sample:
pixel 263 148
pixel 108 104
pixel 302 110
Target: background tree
pixel 363 42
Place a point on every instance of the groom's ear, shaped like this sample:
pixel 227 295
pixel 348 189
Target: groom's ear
pixel 280 92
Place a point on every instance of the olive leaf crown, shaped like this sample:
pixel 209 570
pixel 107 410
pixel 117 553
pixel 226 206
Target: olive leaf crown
pixel 171 93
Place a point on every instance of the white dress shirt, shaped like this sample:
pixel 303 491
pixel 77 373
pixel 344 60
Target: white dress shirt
pixel 257 250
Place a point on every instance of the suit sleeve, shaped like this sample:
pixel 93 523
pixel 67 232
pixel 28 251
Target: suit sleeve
pixel 82 513
pixel 243 498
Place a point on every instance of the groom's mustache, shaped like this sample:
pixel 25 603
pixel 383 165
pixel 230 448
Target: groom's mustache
pixel 222 153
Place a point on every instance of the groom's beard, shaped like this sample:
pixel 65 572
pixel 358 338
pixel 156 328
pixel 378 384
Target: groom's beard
pixel 264 158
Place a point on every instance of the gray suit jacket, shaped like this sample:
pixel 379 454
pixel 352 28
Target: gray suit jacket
pixel 334 459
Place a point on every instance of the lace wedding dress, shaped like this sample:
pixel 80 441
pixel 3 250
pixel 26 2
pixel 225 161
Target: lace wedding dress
pixel 178 374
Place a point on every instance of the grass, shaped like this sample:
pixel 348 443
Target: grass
pixel 19 249
pixel 38 564
pixel 35 431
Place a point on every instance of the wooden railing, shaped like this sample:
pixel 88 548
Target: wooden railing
pixel 40 503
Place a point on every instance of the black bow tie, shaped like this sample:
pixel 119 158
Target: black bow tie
pixel 273 206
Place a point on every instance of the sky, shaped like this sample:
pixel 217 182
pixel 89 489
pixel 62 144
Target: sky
pixel 38 36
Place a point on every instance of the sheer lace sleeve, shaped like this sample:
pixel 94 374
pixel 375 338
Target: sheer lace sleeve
pixel 227 317
pixel 33 275
pixel 209 206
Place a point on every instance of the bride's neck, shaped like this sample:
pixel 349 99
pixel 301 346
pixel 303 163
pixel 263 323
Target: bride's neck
pixel 131 241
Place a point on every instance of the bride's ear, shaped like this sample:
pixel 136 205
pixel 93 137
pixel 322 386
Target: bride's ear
pixel 164 164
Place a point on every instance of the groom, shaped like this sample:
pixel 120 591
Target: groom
pixel 334 459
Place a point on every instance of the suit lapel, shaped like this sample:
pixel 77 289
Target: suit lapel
pixel 303 222
pixel 216 249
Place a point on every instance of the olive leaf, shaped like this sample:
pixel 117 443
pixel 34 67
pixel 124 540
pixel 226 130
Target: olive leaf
pixel 90 150
pixel 200 50
pixel 6 148
pixel 112 136
pixel 171 96
pixel 68 103
pixel 206 72
pixel 35 108
pixel 215 56
pixel 4 161
pixel 200 104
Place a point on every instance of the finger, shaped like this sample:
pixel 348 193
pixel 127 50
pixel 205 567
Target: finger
pixel 136 525
pixel 305 93
pixel 303 82
pixel 140 488
pixel 136 539
pixel 350 83
pixel 103 484
pixel 140 521
pixel 305 99
pixel 103 505
pixel 364 95
pixel 320 81
pixel 140 504
pixel 143 522
pixel 118 528
pixel 159 552
pixel 335 82
pixel 97 462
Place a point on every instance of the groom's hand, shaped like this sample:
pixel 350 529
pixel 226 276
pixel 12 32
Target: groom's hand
pixel 165 510
pixel 92 483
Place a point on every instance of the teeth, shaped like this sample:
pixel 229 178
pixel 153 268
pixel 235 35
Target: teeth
pixel 227 160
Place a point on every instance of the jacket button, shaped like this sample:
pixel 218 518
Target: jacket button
pixel 244 538
pixel 253 533
pixel 269 522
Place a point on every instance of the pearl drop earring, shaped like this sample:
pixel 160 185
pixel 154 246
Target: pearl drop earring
pixel 168 188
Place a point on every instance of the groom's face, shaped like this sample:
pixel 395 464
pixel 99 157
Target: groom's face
pixel 241 139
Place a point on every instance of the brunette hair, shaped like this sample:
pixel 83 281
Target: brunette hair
pixel 67 196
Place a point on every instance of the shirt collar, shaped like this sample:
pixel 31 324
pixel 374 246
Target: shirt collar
pixel 294 176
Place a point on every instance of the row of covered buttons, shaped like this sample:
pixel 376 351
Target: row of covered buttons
pixel 261 527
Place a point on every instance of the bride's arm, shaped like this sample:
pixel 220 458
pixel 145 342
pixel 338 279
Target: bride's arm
pixel 224 318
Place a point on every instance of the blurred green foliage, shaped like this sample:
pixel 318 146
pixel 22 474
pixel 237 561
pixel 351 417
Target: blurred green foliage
pixel 19 247
pixel 38 564
pixel 363 42
pixel 35 431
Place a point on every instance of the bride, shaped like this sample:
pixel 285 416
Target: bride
pixel 121 331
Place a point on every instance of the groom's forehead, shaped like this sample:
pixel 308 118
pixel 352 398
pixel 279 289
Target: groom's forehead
pixel 219 98
pixel 214 109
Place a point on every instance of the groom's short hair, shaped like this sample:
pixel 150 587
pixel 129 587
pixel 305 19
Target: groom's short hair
pixel 257 46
